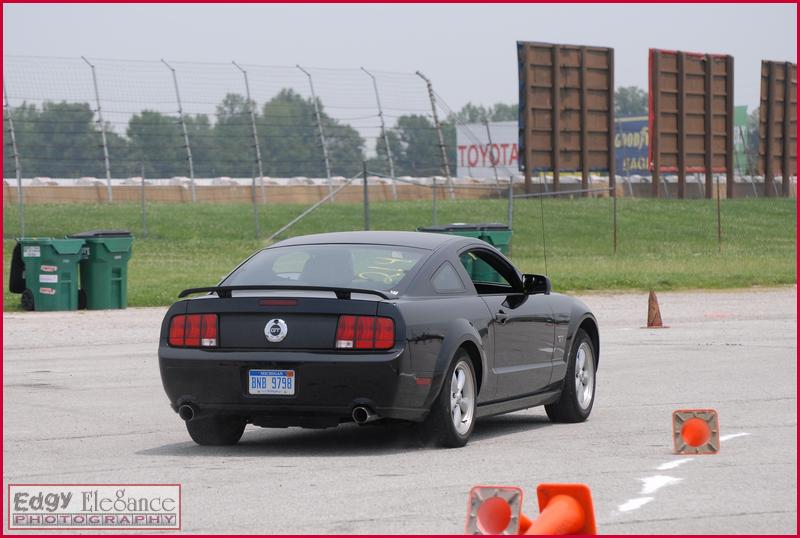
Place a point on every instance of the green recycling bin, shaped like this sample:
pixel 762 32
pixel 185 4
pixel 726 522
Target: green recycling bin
pixel 104 268
pixel 497 235
pixel 45 271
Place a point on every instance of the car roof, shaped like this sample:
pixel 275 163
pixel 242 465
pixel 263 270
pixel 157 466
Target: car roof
pixel 423 240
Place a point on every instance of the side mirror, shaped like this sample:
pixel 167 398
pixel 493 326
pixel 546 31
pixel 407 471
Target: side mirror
pixel 536 284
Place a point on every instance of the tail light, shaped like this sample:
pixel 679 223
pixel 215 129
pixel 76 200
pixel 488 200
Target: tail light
pixel 193 330
pixel 365 332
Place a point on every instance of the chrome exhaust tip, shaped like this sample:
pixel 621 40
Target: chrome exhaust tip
pixel 362 415
pixel 186 412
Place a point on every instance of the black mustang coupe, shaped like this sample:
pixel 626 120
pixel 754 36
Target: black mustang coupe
pixel 323 329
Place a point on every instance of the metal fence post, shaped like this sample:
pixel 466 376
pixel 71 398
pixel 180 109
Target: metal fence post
pixel 183 127
pixel 255 134
pixel 384 134
pixel 510 202
pixel 144 206
pixel 102 125
pixel 438 126
pixel 366 197
pixel 434 201
pixel 510 211
pixel 614 223
pixel 253 198
pixel 321 132
pixel 17 169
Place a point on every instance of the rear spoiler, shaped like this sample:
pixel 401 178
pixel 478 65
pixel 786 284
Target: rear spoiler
pixel 225 291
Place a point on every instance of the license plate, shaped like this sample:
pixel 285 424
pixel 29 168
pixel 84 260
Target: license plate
pixel 272 382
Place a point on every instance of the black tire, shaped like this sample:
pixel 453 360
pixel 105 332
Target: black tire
pixel 439 428
pixel 216 431
pixel 568 408
pixel 27 300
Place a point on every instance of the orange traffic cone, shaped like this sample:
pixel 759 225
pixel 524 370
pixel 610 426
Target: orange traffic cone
pixel 563 509
pixel 494 510
pixel 653 312
pixel 695 431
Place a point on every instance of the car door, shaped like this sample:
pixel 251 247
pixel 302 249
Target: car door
pixel 522 325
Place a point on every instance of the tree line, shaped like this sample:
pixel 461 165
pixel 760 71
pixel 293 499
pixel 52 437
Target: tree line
pixel 62 139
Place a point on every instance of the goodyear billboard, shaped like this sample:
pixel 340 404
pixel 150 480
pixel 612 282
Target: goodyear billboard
pixel 630 141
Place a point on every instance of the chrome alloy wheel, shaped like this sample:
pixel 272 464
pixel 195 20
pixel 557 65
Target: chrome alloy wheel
pixel 462 398
pixel 584 375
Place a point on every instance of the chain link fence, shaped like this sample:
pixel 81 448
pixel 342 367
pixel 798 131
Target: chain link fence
pixel 128 142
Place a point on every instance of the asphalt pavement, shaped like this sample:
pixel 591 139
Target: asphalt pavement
pixel 83 403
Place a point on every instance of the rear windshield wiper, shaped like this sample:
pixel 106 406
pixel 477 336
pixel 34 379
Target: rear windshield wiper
pixel 226 291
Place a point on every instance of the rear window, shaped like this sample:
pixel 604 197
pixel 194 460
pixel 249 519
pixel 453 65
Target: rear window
pixel 375 267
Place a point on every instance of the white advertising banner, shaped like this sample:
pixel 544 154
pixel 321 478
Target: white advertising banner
pixel 477 159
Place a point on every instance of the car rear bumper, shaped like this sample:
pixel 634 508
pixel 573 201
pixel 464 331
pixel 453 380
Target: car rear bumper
pixel 328 385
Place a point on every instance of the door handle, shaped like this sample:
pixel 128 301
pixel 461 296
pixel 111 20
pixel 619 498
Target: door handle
pixel 501 317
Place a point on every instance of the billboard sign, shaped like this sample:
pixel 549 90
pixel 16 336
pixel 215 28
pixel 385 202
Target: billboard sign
pixel 691 116
pixel 777 123
pixel 476 158
pixel 566 100
pixel 631 142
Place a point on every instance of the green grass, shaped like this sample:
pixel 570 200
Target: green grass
pixel 663 244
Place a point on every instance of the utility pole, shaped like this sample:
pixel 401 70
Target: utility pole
pixel 255 135
pixel 183 127
pixel 102 125
pixel 384 134
pixel 17 168
pixel 144 204
pixel 442 148
pixel 321 131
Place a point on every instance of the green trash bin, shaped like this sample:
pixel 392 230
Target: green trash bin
pixel 496 234
pixel 45 271
pixel 104 268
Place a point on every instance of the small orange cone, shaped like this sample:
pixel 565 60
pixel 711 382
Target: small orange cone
pixel 494 510
pixel 653 312
pixel 695 431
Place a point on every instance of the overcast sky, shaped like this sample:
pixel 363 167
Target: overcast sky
pixel 467 50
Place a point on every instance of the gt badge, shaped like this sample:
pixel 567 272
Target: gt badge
pixel 275 330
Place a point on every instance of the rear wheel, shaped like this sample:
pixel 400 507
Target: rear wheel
pixel 452 416
pixel 216 431
pixel 577 394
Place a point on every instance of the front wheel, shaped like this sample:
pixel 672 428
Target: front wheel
pixel 216 431
pixel 577 394
pixel 452 416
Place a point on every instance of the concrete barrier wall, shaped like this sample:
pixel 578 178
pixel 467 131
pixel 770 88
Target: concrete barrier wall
pixel 308 194
pixel 294 194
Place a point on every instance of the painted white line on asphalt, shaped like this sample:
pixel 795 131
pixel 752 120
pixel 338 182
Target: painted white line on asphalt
pixel 634 504
pixel 651 484
pixel 733 436
pixel 672 464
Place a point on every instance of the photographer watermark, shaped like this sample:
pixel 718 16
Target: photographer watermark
pixel 94 506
